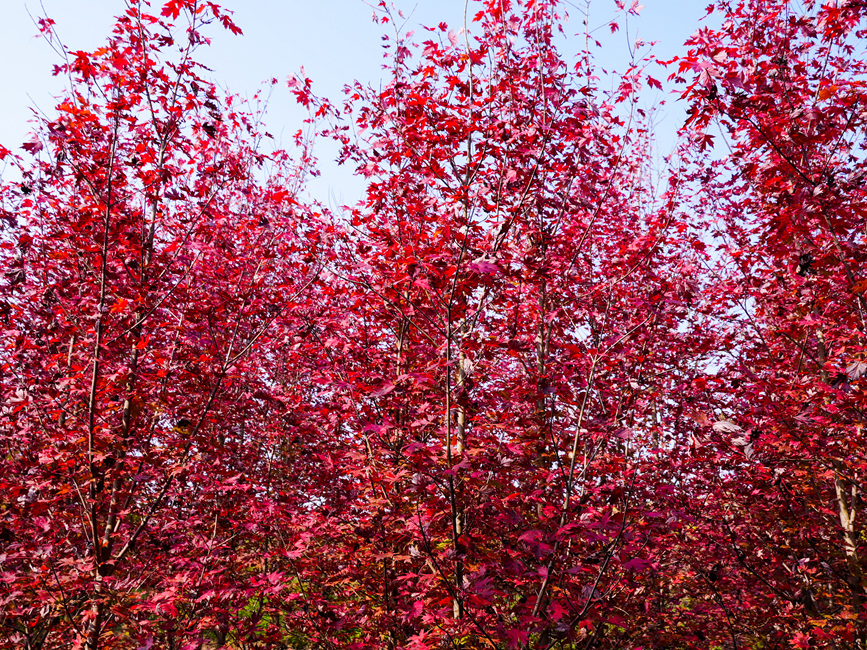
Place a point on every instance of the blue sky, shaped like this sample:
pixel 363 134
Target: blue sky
pixel 334 40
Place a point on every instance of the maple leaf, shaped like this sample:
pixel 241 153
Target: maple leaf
pixel 173 8
pixel 516 638
pixel 33 147
pixel 856 370
pixel 726 426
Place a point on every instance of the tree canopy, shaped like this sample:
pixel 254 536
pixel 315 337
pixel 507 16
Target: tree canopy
pixel 531 392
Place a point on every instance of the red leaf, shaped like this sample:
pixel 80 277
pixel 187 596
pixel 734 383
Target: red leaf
pixel 173 8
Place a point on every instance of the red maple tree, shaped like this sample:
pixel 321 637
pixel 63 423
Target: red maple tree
pixel 504 351
pixel 152 254
pixel 781 462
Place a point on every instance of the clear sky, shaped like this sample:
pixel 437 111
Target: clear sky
pixel 334 40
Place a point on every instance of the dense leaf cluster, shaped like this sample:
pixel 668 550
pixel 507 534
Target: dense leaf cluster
pixel 528 393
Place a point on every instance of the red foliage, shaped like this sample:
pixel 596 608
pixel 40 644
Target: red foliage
pixel 518 397
pixel 153 260
pixel 785 214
